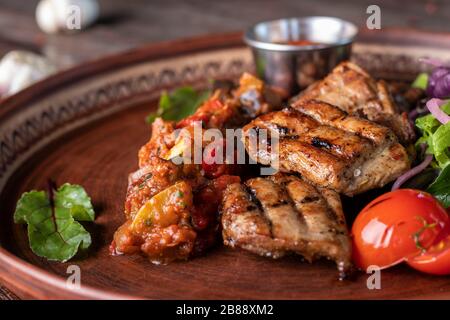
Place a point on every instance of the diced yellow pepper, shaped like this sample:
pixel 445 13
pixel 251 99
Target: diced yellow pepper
pixel 248 81
pixel 176 150
pixel 164 208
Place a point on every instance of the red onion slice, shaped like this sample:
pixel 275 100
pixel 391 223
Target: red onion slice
pixel 434 106
pixel 412 172
pixel 432 61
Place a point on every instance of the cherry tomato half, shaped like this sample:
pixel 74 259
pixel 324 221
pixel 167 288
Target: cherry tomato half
pixel 396 226
pixel 436 260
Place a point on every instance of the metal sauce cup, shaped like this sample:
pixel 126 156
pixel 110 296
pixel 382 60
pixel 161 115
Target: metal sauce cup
pixel 291 66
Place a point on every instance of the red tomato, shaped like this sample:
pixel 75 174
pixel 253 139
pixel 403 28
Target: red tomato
pixel 436 260
pixel 189 121
pixel 204 114
pixel 397 226
pixel 211 167
pixel 208 199
pixel 205 210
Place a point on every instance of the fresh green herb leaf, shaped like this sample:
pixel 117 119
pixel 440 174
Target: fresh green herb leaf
pixel 180 194
pixel 440 142
pixel 440 188
pixel 53 231
pixel 33 201
pixel 178 104
pixel 421 81
pixel 148 222
pixel 428 124
pixel 75 198
pixel 436 136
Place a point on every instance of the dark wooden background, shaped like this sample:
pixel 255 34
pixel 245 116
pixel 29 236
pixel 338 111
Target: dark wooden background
pixel 127 24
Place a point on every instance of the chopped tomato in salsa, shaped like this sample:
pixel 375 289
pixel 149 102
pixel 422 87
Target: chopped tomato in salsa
pixel 172 210
pixel 212 114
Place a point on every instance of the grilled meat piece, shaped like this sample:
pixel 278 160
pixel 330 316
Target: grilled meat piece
pixel 328 147
pixel 283 213
pixel 353 90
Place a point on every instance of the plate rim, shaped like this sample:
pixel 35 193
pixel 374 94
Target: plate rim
pixel 28 275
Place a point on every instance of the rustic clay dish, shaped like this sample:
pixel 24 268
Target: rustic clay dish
pixel 85 126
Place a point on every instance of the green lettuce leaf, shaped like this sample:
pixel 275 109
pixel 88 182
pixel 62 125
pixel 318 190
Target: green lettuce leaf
pixel 53 231
pixel 440 188
pixel 440 142
pixel 421 81
pixel 178 104
pixel 436 136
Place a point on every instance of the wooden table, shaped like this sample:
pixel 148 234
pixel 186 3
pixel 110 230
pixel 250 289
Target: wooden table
pixel 127 24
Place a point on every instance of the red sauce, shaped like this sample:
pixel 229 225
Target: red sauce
pixel 300 43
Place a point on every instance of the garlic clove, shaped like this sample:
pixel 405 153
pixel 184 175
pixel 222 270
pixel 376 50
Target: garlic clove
pixel 19 69
pixel 46 17
pixel 54 16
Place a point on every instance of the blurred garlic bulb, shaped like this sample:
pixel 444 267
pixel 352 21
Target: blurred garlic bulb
pixel 19 69
pixel 55 16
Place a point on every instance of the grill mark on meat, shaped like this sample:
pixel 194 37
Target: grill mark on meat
pixel 327 147
pixel 303 219
pixel 343 145
pixel 289 201
pixel 281 130
pixel 283 183
pixel 255 130
pixel 254 199
pixel 309 199
pixel 321 143
pixel 353 90
pixel 331 214
pixel 291 137
pixel 280 203
pixel 278 208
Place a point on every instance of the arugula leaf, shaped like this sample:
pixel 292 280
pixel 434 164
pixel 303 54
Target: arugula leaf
pixel 53 231
pixel 440 188
pixel 178 104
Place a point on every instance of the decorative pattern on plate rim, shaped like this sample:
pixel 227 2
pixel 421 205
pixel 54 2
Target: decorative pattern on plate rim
pixel 108 96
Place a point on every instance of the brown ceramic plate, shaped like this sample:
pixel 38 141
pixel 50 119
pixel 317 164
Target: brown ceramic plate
pixel 86 125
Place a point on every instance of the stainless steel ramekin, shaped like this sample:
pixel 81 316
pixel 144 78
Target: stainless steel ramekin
pixel 292 67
